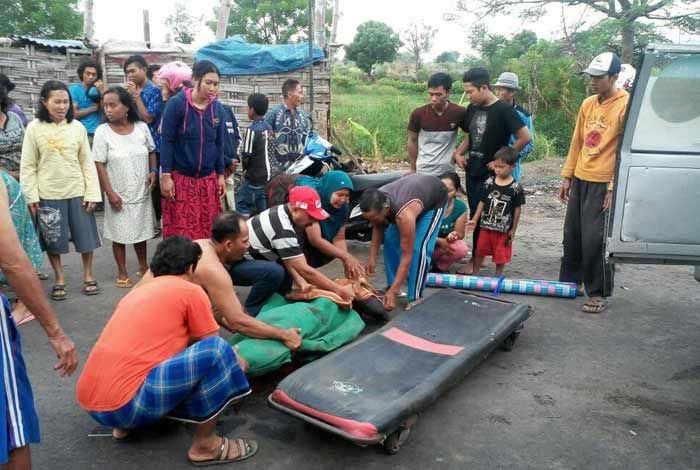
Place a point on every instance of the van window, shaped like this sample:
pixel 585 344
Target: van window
pixel 669 119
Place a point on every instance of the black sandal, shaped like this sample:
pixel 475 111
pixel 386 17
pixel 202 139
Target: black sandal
pixel 58 292
pixel 91 288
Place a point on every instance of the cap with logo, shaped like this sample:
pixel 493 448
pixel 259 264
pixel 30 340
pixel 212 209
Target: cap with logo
pixel 508 80
pixel 305 197
pixel 606 63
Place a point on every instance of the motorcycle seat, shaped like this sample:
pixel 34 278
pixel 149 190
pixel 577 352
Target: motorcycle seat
pixel 374 180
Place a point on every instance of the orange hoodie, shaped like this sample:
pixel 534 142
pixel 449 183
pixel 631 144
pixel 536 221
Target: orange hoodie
pixel 594 142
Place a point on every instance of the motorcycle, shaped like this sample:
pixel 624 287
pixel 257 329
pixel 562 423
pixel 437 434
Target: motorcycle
pixel 321 156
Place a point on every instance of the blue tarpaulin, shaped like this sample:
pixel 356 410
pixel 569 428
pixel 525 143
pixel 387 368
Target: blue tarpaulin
pixel 236 56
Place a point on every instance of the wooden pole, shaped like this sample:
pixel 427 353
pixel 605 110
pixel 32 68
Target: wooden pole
pixel 320 24
pixel 222 24
pixel 146 29
pixel 310 18
pixel 88 23
pixel 334 28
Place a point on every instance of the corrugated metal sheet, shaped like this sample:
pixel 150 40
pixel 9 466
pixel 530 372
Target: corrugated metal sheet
pixel 53 43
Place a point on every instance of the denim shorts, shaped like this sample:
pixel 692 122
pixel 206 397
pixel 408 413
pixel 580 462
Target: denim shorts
pixel 250 200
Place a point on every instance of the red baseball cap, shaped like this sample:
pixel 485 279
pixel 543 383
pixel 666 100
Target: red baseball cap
pixel 305 197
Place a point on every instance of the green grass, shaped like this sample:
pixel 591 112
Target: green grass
pixel 384 108
pixel 381 108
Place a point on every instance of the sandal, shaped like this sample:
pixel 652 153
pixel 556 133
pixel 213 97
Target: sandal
pixel 91 288
pixel 124 283
pixel 42 276
pixel 246 449
pixel 595 305
pixel 58 292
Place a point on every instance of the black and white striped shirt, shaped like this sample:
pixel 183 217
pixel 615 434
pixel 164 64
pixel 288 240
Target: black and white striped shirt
pixel 272 235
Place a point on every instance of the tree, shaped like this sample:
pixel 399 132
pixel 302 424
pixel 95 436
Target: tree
pixel 183 25
pixel 448 57
pixel 683 14
pixel 374 43
pixel 607 35
pixel 418 40
pixel 57 19
pixel 267 21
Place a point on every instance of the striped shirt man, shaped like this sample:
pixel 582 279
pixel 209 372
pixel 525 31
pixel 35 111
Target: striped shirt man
pixel 272 235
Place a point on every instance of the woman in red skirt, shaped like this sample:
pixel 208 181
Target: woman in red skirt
pixel 191 156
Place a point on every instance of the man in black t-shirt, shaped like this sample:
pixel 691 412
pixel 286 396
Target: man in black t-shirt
pixel 490 123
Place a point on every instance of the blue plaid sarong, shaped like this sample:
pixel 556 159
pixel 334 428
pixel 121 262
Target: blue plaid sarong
pixel 194 386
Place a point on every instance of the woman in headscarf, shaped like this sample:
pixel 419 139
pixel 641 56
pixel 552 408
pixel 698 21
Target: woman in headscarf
pixel 323 241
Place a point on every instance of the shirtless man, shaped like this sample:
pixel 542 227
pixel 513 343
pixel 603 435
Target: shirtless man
pixel 228 243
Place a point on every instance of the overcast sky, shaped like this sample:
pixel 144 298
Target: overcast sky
pixel 122 19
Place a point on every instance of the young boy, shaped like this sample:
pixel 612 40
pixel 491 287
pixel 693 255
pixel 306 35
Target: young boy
pixel 256 154
pixel 499 210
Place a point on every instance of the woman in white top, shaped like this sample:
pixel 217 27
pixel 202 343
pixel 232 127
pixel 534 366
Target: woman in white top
pixel 123 152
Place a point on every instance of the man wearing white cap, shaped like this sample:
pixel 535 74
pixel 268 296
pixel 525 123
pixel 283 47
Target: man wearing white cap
pixel 588 181
pixel 506 87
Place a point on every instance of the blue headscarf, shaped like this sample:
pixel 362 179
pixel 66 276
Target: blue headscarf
pixel 325 186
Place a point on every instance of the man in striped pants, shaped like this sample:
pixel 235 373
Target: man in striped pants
pixel 19 424
pixel 405 214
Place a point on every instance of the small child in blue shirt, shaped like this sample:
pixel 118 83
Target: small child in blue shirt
pixel 257 149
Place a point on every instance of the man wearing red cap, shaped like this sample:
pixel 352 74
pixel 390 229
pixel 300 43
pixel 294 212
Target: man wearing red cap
pixel 273 237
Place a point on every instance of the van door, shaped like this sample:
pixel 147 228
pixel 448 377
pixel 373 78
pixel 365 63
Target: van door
pixel 656 206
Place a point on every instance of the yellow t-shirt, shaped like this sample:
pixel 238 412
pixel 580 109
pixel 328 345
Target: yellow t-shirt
pixel 595 138
pixel 57 163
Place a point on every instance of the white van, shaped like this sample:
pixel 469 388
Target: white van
pixel 655 216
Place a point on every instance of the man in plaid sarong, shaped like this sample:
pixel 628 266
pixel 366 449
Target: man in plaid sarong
pixel 160 356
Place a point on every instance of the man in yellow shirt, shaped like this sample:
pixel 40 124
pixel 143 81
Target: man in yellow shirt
pixel 588 178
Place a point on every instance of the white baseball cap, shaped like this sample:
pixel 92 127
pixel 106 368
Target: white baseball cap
pixel 606 63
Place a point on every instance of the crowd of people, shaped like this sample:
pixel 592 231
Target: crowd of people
pixel 156 150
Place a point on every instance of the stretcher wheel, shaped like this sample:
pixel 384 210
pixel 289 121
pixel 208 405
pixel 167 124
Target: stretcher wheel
pixel 509 342
pixel 394 441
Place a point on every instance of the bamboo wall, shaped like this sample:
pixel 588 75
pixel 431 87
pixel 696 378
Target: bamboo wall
pixel 28 68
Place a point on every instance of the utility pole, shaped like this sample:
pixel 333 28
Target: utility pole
pixel 224 11
pixel 320 24
pixel 88 23
pixel 310 18
pixel 146 29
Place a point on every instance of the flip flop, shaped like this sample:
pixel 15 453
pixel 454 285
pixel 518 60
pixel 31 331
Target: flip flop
pixel 26 319
pixel 91 288
pixel 55 292
pixel 594 305
pixel 246 449
pixel 42 276
pixel 124 283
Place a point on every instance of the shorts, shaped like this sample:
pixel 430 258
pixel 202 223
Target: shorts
pixel 62 220
pixel 250 200
pixel 194 386
pixel 19 424
pixel 492 243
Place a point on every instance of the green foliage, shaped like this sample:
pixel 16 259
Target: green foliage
pixel 56 19
pixel 183 25
pixel 267 21
pixel 607 36
pixel 378 108
pixel 374 43
pixel 448 57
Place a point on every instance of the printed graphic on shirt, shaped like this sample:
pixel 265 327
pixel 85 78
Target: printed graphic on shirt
pixel 477 129
pixel 500 203
pixel 598 125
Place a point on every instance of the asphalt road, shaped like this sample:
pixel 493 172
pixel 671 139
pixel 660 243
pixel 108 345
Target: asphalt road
pixel 615 391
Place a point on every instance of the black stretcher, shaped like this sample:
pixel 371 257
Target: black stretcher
pixel 371 391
